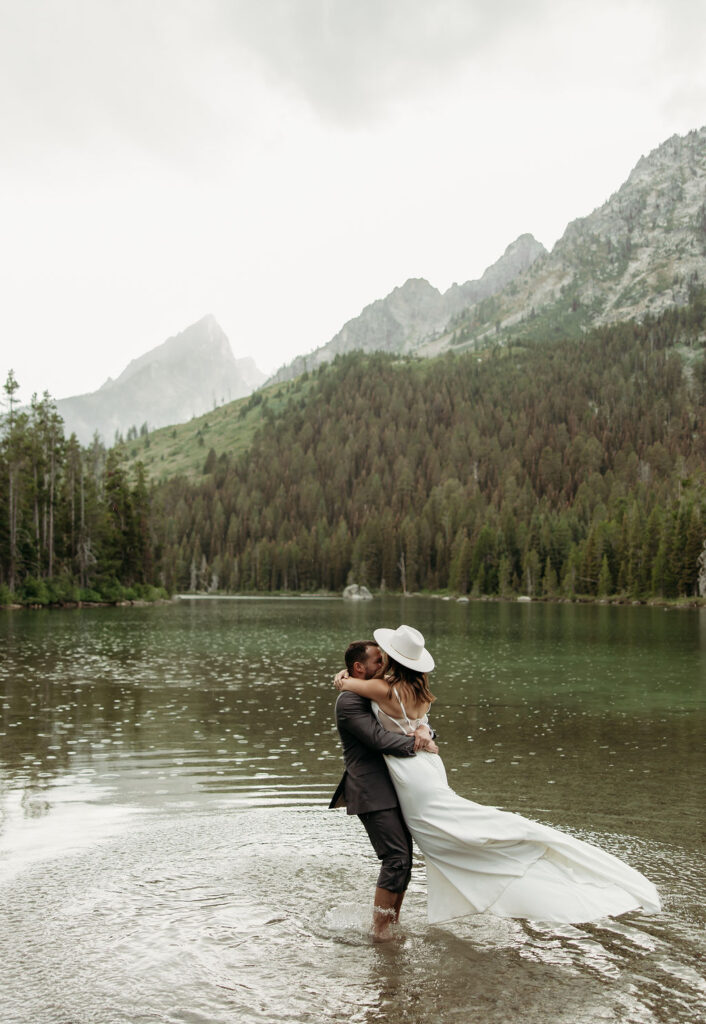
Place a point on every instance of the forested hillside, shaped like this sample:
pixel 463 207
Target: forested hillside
pixel 563 467
pixel 566 467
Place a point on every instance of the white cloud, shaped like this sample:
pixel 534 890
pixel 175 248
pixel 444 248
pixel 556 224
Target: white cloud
pixel 351 59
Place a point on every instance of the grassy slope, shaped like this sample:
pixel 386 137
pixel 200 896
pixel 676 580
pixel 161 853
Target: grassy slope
pixel 182 449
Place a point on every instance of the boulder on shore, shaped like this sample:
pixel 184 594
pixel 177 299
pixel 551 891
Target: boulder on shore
pixel 355 592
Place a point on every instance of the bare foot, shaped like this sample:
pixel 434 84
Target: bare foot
pixel 391 934
pixel 384 919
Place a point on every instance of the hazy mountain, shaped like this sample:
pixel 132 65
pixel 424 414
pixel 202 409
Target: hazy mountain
pixel 185 376
pixel 416 312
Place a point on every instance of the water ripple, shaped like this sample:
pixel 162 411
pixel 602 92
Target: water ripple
pixel 213 916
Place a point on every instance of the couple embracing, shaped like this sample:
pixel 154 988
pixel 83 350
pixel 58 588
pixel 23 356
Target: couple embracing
pixel 478 858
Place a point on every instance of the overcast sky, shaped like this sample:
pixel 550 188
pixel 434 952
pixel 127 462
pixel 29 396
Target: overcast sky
pixel 282 163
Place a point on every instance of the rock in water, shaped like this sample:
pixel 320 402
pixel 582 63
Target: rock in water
pixel 354 592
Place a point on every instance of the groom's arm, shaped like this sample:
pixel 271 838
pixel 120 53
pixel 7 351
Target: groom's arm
pixel 353 714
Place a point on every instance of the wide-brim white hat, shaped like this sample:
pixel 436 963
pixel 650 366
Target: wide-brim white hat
pixel 406 645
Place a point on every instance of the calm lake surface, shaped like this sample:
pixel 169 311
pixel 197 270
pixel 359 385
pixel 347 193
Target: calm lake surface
pixel 166 854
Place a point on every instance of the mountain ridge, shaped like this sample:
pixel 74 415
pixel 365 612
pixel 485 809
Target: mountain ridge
pixel 636 254
pixel 415 311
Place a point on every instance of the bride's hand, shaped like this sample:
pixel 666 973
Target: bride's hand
pixel 340 678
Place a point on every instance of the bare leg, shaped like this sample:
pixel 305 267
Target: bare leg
pixel 398 905
pixel 385 913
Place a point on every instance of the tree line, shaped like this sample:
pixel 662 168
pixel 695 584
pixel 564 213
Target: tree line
pixel 570 467
pixel 556 468
pixel 73 527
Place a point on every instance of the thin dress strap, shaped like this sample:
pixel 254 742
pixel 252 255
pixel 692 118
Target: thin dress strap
pixel 403 709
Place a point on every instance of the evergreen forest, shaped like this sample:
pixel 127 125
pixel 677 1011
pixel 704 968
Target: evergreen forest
pixel 72 526
pixel 571 468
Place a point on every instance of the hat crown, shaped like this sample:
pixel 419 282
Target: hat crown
pixel 408 642
pixel 405 645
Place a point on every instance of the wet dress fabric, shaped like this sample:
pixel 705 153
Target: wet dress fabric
pixel 481 859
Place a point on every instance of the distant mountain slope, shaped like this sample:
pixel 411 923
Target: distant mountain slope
pixel 185 376
pixel 639 253
pixel 416 311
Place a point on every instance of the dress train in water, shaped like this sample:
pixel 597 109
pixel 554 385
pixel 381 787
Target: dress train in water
pixel 481 859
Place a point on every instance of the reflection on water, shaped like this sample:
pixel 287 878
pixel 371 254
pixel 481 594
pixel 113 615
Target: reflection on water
pixel 166 854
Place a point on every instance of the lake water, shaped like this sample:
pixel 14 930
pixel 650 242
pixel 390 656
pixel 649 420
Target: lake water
pixel 166 854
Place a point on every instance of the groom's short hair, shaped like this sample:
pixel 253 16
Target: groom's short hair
pixel 357 651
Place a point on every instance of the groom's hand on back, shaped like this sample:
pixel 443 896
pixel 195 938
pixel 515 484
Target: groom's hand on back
pixel 423 740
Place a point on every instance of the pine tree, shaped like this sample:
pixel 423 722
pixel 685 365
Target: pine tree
pixel 605 580
pixel 550 583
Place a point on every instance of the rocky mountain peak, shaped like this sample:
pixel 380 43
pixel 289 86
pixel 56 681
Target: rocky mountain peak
pixel 203 339
pixel 185 376
pixel 517 258
pixel 638 253
pixel 520 254
pixel 416 312
pixel 685 152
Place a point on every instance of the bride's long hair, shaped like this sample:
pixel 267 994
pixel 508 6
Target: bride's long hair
pixel 415 682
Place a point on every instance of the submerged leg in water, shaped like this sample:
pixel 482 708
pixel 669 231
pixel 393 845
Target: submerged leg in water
pixel 386 912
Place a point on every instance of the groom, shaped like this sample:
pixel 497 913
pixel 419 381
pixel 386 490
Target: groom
pixel 366 788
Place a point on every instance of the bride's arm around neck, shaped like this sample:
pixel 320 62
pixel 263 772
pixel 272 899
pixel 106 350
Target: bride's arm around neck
pixel 374 689
pixel 378 689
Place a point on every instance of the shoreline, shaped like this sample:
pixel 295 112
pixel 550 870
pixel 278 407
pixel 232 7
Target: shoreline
pixel 615 601
pixel 61 606
pixel 676 603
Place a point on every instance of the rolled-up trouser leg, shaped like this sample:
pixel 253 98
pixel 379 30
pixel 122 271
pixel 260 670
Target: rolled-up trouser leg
pixel 393 845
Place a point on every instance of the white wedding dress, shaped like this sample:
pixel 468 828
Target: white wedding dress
pixel 481 859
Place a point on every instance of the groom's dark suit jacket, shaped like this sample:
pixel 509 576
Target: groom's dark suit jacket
pixel 366 784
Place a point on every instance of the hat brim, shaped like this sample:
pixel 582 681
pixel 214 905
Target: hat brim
pixel 383 638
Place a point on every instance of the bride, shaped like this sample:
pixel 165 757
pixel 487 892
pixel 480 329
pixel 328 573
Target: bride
pixel 480 858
